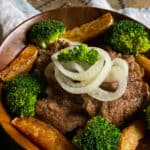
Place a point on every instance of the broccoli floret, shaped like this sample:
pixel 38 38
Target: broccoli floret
pixel 98 134
pixel 46 32
pixel 79 54
pixel 21 93
pixel 128 37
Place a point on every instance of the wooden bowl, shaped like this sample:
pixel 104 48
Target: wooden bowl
pixel 13 44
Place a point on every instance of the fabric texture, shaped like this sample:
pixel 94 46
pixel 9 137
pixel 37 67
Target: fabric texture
pixel 13 12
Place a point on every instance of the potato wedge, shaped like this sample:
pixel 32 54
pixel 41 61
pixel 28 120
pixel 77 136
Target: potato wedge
pixel 131 135
pixel 143 61
pixel 44 135
pixel 22 64
pixel 18 137
pixel 91 29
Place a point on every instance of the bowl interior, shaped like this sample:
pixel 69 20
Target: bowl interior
pixel 14 43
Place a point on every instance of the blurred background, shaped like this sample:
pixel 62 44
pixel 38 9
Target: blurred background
pixel 44 5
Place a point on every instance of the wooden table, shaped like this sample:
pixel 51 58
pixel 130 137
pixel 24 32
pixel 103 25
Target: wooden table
pixel 44 5
pixel 129 3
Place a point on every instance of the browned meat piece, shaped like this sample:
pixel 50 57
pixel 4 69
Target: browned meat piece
pixel 110 86
pixel 62 110
pixel 121 110
pixel 90 105
pixel 67 111
pixel 44 56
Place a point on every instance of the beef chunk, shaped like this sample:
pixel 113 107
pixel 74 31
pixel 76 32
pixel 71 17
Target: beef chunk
pixel 44 55
pixel 61 109
pixel 123 109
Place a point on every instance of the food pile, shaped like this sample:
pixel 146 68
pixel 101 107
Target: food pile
pixel 64 93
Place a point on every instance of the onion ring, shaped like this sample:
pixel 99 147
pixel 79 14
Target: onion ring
pixel 88 85
pixel 89 73
pixel 77 79
pixel 120 70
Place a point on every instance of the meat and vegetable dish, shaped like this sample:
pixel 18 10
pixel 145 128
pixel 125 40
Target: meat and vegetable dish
pixel 64 91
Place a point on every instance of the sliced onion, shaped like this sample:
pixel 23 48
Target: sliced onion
pixel 49 71
pixel 94 69
pixel 72 43
pixel 70 83
pixel 73 66
pixel 88 85
pixel 112 76
pixel 120 70
pixel 69 86
pixel 78 79
pixel 89 73
pixel 122 64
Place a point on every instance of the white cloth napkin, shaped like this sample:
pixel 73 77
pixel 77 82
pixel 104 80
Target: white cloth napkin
pixel 13 12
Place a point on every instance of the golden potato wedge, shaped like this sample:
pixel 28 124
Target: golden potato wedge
pixel 18 137
pixel 23 63
pixel 91 29
pixel 143 61
pixel 131 135
pixel 44 135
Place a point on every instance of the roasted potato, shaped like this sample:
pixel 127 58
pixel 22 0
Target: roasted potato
pixel 18 137
pixel 44 135
pixel 91 29
pixel 22 64
pixel 143 61
pixel 131 136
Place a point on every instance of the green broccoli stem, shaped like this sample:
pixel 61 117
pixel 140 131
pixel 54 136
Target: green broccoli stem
pixel 43 44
